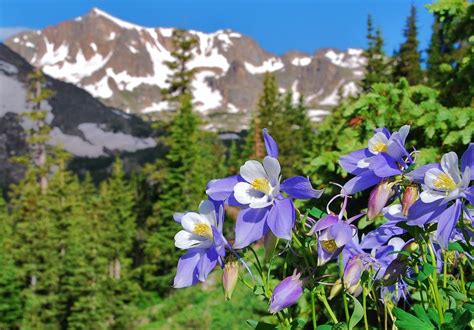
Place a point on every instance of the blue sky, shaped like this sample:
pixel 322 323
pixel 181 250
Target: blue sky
pixel 278 26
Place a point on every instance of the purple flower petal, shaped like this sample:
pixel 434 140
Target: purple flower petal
pixel 421 213
pixel 361 182
pixel 381 235
pixel 384 131
pixel 469 192
pixel 281 218
pixel 384 166
pixel 206 264
pixel 467 160
pixel 325 222
pixel 342 233
pixel 270 144
pixel 446 223
pixel 251 226
pixel 418 175
pixel 300 187
pixel 186 273
pixel 349 162
pixel 177 217
pixel 222 189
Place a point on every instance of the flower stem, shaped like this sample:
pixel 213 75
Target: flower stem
pixel 344 296
pixel 435 285
pixel 463 284
pixel 322 298
pixel 364 305
pixel 445 269
pixel 313 310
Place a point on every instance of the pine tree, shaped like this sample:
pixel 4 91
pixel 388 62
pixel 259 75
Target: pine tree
pixel 377 67
pixel 435 55
pixel 180 80
pixel 11 306
pixel 234 159
pixel 408 61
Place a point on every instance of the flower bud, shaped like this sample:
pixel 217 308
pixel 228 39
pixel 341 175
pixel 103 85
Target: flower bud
pixel 286 293
pixel 409 197
pixel 336 288
pixel 352 274
pixel 229 278
pixel 379 196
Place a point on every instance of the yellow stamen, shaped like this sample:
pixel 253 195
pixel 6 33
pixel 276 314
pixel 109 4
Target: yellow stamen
pixel 444 181
pixel 329 245
pixel 203 230
pixel 380 147
pixel 262 185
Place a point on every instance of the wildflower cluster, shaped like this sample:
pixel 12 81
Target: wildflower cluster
pixel 416 250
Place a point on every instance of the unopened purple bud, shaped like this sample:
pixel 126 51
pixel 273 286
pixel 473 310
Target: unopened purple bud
pixel 352 274
pixel 229 278
pixel 286 293
pixel 409 197
pixel 379 196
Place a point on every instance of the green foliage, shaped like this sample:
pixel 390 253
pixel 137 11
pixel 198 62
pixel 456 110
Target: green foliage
pixel 288 122
pixel 408 58
pixel 451 60
pixel 437 128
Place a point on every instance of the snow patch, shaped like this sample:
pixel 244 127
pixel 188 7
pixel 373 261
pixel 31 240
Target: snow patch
pixel 270 65
pixel 206 53
pixel 350 89
pixel 317 115
pixel 93 46
pixel 8 68
pixel 132 49
pixel 231 108
pixel 301 61
pixel 205 97
pixel 100 89
pixel 351 60
pixel 111 36
pixel 16 40
pixel 166 32
pixel 29 44
pixel 157 107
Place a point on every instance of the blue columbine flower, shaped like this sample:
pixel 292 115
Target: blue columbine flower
pixel 384 157
pixel 445 190
pixel 202 237
pixel 258 190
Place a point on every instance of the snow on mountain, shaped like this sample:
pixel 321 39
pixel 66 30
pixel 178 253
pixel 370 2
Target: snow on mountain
pixel 123 64
pixel 80 123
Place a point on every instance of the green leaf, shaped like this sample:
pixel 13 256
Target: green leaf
pixel 420 312
pixel 425 272
pixel 455 246
pixel 357 314
pixel 408 321
pixel 261 325
pixel 317 213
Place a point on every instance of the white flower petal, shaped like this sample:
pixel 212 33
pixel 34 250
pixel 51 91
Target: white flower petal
pixel 431 176
pixel 273 169
pixel 449 164
pixel 466 178
pixel 186 240
pixel 376 140
pixel 207 209
pixel 429 196
pixel 364 162
pixel 245 194
pixel 252 170
pixel 191 219
pixel 263 202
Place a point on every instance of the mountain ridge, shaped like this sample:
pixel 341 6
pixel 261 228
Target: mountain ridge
pixel 122 64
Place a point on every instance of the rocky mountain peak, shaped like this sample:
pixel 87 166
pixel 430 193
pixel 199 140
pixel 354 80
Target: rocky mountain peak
pixel 122 64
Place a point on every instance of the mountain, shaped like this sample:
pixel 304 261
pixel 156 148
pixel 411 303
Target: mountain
pixel 122 64
pixel 83 125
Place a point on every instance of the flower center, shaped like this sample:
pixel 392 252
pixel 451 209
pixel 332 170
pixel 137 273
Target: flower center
pixel 329 245
pixel 203 230
pixel 380 147
pixel 444 181
pixel 262 185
